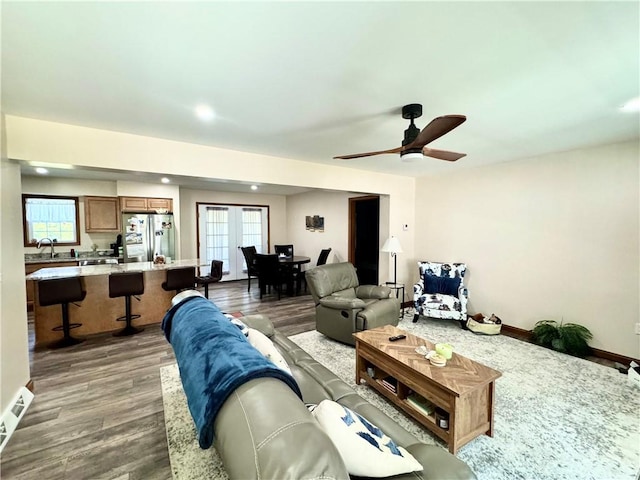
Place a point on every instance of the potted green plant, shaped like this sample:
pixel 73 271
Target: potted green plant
pixel 568 338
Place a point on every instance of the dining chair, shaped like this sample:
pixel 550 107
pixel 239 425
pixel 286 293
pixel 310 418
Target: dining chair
pixel 287 250
pixel 322 260
pixel 271 273
pixel 294 271
pixel 323 257
pixel 215 275
pixel 249 257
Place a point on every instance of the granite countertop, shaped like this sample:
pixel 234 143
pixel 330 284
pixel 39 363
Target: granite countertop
pixel 106 269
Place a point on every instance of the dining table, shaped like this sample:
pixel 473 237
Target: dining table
pixel 294 262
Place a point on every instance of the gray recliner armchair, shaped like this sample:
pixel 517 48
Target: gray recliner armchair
pixel 344 307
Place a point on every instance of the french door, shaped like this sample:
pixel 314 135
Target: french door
pixel 223 229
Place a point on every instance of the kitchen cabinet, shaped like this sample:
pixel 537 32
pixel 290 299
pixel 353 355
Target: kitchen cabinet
pixel 154 204
pixel 133 204
pixel 144 204
pixel 33 267
pixel 101 214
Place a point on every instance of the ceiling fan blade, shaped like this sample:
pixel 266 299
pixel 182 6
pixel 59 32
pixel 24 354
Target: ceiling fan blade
pixel 442 154
pixel 369 154
pixel 436 128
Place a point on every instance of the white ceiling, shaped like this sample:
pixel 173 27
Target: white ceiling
pixel 312 80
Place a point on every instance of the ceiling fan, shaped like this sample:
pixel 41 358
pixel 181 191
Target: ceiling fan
pixel 415 141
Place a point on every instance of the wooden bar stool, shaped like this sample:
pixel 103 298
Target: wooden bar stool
pixel 178 279
pixel 62 291
pixel 127 285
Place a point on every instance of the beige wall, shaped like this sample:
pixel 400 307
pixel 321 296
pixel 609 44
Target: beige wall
pixel 61 144
pixel 334 207
pixel 553 237
pixel 14 351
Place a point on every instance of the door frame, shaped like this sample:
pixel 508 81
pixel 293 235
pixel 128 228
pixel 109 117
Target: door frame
pixel 230 204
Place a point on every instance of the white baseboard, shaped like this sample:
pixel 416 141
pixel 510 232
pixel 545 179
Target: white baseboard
pixel 12 415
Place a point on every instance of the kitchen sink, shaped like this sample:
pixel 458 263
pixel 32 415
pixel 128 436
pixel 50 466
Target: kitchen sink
pixel 98 261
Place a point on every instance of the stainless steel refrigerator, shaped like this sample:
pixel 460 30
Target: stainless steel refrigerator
pixel 146 235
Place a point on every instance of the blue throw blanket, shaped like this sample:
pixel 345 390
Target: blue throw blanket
pixel 214 358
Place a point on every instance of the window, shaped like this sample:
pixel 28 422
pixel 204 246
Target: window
pixel 252 227
pixel 50 217
pixel 217 234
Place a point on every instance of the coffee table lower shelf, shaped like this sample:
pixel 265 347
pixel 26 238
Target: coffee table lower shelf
pixel 428 421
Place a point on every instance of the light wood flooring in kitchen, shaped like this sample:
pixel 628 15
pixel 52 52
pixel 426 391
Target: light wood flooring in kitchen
pixel 97 411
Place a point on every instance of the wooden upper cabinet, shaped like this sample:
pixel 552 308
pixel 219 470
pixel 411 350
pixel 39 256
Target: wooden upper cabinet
pixel 133 204
pixel 144 204
pixel 154 204
pixel 101 214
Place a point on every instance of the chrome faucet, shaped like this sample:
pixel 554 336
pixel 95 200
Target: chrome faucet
pixel 50 243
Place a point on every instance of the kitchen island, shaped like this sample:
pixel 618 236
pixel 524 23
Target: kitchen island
pixel 97 312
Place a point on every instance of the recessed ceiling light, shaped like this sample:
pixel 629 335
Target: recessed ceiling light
pixel 632 105
pixel 42 170
pixel 254 187
pixel 165 180
pixel 205 113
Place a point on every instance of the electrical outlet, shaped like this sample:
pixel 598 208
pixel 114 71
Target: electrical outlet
pixel 637 328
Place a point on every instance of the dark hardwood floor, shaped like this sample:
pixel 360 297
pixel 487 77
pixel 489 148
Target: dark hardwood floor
pixel 97 411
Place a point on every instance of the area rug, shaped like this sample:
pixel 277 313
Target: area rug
pixel 556 416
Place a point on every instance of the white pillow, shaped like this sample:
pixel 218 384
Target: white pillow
pixel 365 449
pixel 266 347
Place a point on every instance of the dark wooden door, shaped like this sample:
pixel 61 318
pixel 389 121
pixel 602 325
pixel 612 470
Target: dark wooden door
pixel 364 234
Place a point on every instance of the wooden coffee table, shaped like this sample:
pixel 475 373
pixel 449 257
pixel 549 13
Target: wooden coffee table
pixel 463 388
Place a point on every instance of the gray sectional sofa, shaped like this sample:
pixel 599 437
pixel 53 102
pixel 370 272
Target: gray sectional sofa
pixel 264 431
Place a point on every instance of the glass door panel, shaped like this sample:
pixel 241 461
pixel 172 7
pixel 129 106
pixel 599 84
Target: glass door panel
pixel 226 228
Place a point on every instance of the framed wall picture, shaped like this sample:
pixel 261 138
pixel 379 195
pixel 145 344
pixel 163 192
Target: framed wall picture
pixel 314 223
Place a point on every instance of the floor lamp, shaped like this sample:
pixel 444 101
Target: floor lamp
pixel 392 246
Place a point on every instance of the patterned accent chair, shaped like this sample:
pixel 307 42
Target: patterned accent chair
pixel 440 291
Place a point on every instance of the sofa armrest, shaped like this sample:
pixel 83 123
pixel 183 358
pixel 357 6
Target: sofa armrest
pixel 259 322
pixel 377 314
pixel 373 291
pixel 249 441
pixel 342 303
pixel 437 464
pixel 418 289
pixel 463 292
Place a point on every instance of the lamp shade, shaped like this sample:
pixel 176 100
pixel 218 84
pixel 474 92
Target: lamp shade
pixel 392 245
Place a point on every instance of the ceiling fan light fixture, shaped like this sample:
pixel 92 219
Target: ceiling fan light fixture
pixel 632 105
pixel 411 156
